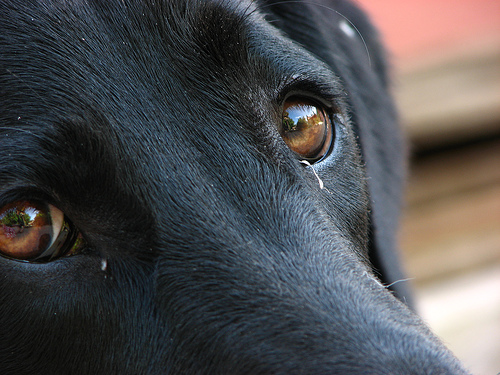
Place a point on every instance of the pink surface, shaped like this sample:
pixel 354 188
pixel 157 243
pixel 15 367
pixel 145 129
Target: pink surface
pixel 411 28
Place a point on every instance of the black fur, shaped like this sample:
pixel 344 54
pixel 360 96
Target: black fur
pixel 210 249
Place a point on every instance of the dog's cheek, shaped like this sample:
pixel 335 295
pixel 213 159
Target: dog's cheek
pixel 345 195
pixel 54 315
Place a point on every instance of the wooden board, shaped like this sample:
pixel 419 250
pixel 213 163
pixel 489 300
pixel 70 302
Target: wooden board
pixel 450 239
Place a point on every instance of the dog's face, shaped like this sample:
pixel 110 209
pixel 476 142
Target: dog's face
pixel 200 187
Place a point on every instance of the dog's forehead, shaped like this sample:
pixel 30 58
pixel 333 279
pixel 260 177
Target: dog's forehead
pixel 70 55
pixel 150 66
pixel 94 38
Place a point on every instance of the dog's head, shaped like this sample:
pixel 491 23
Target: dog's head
pixel 200 187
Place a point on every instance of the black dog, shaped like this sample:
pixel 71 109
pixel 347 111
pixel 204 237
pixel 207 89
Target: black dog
pixel 200 187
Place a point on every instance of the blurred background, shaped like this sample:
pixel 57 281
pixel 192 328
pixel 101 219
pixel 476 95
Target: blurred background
pixel 445 56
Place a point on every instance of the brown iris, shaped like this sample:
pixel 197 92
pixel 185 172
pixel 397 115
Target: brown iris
pixel 33 230
pixel 306 128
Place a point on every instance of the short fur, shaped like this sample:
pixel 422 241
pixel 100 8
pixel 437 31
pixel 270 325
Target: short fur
pixel 210 249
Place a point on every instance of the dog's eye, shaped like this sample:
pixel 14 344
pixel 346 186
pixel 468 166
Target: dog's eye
pixel 35 231
pixel 306 128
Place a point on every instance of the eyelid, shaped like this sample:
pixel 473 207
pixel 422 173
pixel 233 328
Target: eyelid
pixel 328 93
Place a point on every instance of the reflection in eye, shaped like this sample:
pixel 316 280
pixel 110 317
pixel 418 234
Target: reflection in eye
pixel 306 129
pixel 36 231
